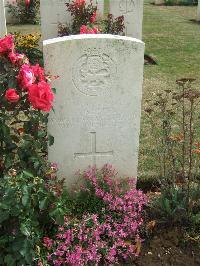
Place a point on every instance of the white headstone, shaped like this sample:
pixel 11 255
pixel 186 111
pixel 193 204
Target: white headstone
pixel 53 12
pixel 98 102
pixel 3 29
pixel 198 11
pixel 132 10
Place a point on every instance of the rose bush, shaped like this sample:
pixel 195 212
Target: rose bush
pixel 25 11
pixel 85 20
pixel 26 98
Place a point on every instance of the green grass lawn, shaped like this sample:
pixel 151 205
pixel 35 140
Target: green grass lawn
pixel 174 41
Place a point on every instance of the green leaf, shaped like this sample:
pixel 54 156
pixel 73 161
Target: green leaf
pixel 54 90
pixel 25 199
pixel 9 260
pixel 41 134
pixel 28 174
pixel 4 215
pixel 43 204
pixel 58 215
pixel 25 230
pixel 8 162
pixel 27 251
pixel 51 140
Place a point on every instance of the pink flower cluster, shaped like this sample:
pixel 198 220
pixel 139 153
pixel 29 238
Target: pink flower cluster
pixel 86 30
pixel 79 2
pixel 31 80
pixel 104 238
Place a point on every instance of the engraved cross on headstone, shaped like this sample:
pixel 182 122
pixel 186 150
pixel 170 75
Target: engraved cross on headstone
pixel 94 153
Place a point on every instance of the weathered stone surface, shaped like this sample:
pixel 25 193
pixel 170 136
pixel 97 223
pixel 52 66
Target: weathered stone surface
pixel 98 102
pixel 3 29
pixel 54 12
pixel 132 10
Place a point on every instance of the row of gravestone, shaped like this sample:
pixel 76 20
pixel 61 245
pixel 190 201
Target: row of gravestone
pixel 54 12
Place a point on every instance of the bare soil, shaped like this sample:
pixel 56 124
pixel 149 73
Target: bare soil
pixel 166 249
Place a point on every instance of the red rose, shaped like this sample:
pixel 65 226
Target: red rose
pixel 93 17
pixel 93 30
pixel 6 44
pixel 11 95
pixel 38 72
pixel 16 58
pixel 27 2
pixel 79 2
pixel 25 77
pixel 41 96
pixel 83 29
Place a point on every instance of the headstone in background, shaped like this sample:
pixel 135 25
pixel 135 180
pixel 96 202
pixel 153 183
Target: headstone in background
pixel 53 12
pixel 3 30
pixel 198 11
pixel 159 2
pixel 132 10
pixel 98 102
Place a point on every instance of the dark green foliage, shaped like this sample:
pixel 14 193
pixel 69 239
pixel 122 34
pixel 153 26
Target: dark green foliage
pixel 113 25
pixel 181 2
pixel 29 209
pixel 85 201
pixel 173 207
pixel 25 13
pixel 35 55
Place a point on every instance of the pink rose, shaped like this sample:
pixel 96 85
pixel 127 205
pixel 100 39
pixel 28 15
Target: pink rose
pixel 38 72
pixel 25 77
pixel 93 17
pixel 16 58
pixel 6 44
pixel 93 31
pixel 83 29
pixel 12 95
pixel 79 2
pixel 27 2
pixel 41 96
